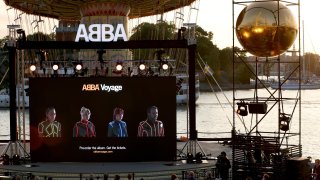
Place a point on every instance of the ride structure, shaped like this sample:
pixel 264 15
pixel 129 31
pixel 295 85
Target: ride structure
pixel 98 57
pixel 267 29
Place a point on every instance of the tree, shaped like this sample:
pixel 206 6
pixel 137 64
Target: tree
pixel 225 59
pixel 243 70
pixel 150 31
pixel 311 64
pixel 207 50
pixel 39 36
pixel 3 43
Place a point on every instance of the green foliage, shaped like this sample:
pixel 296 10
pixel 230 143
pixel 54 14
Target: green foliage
pixel 39 36
pixel 226 61
pixel 149 31
pixel 4 56
pixel 3 43
pixel 311 63
pixel 207 50
pixel 242 69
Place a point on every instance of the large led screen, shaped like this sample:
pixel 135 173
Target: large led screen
pixel 102 119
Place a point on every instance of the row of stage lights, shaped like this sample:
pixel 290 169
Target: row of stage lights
pixel 163 62
pixel 261 108
pixel 119 66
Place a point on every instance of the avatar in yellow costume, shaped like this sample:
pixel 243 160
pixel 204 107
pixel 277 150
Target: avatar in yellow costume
pixel 50 127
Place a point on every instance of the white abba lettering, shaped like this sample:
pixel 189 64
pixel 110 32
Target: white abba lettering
pixel 110 88
pixel 101 33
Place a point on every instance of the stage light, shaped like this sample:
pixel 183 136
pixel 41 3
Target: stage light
pixel 165 66
pixel 15 159
pixel 242 108
pixel 78 66
pixel 5 159
pixel 142 66
pixel 55 67
pixel 189 158
pixel 284 121
pixel 33 67
pixel 119 67
pixel 181 32
pixel 22 35
pixel 198 157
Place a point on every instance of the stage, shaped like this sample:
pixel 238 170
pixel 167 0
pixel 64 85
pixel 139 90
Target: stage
pixel 82 169
pixel 146 170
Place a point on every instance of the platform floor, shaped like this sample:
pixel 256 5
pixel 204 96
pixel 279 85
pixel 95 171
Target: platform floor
pixel 147 170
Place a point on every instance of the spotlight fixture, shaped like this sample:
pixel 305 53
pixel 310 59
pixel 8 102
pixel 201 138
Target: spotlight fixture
pixel 189 158
pixel 15 159
pixel 119 67
pixel 242 108
pixel 22 35
pixel 55 67
pixel 181 32
pixel 5 159
pixel 284 121
pixel 142 66
pixel 79 66
pixel 165 66
pixel 33 67
pixel 199 157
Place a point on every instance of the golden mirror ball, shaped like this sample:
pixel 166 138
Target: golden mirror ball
pixel 266 29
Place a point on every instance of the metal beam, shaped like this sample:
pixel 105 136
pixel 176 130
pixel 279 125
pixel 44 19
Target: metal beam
pixel 141 44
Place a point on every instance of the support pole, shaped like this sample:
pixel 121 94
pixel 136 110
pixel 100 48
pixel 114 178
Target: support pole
pixel 13 105
pixel 192 91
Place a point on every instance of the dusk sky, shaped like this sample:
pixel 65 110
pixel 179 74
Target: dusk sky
pixel 216 16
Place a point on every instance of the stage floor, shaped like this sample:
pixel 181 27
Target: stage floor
pixel 112 167
pixel 146 170
pixel 83 170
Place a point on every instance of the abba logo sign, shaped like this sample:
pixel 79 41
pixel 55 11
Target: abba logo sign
pixel 101 87
pixel 101 33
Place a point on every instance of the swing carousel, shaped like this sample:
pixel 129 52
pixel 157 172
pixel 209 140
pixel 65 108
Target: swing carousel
pixel 97 60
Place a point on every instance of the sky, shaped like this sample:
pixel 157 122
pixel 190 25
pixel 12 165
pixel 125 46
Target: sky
pixel 216 16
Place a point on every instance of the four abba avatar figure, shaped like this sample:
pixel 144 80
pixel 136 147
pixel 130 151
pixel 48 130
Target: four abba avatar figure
pixel 49 127
pixel 84 127
pixel 151 127
pixel 117 127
